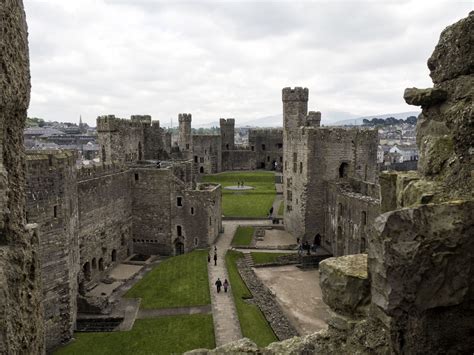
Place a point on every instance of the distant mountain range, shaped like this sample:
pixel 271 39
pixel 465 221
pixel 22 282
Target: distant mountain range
pixel 336 118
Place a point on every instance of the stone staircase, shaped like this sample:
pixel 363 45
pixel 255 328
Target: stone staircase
pixel 95 324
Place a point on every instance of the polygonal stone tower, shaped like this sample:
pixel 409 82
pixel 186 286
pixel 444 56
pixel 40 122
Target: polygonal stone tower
pixel 227 133
pixel 185 138
pixel 314 119
pixel 295 108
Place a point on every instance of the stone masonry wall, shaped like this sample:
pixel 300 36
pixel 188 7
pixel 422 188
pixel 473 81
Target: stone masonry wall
pixel 120 140
pixel 105 222
pixel 21 312
pixel 238 160
pixel 348 216
pixel 151 230
pixel 207 154
pixel 52 203
pixel 268 147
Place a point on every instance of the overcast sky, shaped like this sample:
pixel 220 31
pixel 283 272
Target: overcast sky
pixel 228 59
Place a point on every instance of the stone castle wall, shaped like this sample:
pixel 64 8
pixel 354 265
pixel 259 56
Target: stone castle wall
pixel 207 154
pixel 238 160
pixel 52 203
pixel 21 311
pixel 105 221
pixel 268 147
pixel 314 157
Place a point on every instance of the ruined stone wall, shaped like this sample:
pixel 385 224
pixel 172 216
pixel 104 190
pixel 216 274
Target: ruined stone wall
pixel 207 154
pixel 227 127
pixel 105 220
pixel 121 140
pixel 52 204
pixel 348 215
pixel 238 160
pixel 21 312
pixel 268 147
pixel 151 204
pixel 155 145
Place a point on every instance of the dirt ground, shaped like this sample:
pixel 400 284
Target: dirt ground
pixel 299 295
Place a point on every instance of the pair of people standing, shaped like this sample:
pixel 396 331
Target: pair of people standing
pixel 240 184
pixel 219 285
pixel 215 256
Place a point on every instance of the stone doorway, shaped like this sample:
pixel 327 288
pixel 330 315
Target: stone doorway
pixel 178 248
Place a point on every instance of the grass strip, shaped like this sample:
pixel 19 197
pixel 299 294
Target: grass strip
pixel 252 321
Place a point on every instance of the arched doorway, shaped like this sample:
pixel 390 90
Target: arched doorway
pixel 201 170
pixel 114 255
pixel 101 264
pixel 94 264
pixel 178 247
pixel 343 170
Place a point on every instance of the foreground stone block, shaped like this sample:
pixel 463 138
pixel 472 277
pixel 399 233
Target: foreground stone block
pixel 420 262
pixel 345 285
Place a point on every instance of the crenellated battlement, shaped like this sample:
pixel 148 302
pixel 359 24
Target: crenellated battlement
pixel 184 117
pixel 87 172
pixel 314 119
pixel 110 123
pixel 296 94
pixel 41 160
pixel 227 121
pixel 145 119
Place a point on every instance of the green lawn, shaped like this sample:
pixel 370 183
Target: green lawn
pixel 164 335
pixel 176 282
pixel 251 203
pixel 265 258
pixel 281 209
pixel 252 322
pixel 243 236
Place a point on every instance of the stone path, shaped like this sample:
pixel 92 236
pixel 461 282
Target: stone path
pixel 276 205
pixel 226 321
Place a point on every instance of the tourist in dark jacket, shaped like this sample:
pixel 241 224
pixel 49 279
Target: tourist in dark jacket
pixel 218 285
pixel 226 285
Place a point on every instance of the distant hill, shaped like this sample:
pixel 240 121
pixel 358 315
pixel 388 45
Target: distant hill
pixel 359 120
pixel 335 118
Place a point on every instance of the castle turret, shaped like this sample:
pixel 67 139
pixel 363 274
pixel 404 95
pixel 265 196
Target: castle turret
pixel 227 133
pixel 313 119
pixel 295 108
pixel 185 138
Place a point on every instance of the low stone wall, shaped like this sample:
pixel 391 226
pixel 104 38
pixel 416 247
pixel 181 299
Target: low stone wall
pixel 266 301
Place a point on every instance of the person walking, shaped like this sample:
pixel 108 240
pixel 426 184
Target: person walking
pixel 215 259
pixel 317 242
pixel 208 258
pixel 226 285
pixel 218 285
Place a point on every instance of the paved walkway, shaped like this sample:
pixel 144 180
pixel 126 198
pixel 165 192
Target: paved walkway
pixel 226 321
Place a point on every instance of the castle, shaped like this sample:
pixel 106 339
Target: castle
pixel 412 292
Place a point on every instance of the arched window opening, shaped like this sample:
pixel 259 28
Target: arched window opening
pixel 179 231
pixel 140 154
pixel 343 170
pixel 101 264
pixel 86 269
pixel 114 255
pixel 94 263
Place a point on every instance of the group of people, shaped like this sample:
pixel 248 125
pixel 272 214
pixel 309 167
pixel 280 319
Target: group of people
pixel 219 285
pixel 305 246
pixel 240 183
pixel 215 256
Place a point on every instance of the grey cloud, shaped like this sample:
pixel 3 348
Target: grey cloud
pixel 218 59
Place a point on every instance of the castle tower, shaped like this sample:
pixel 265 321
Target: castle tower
pixel 295 108
pixel 185 138
pixel 227 133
